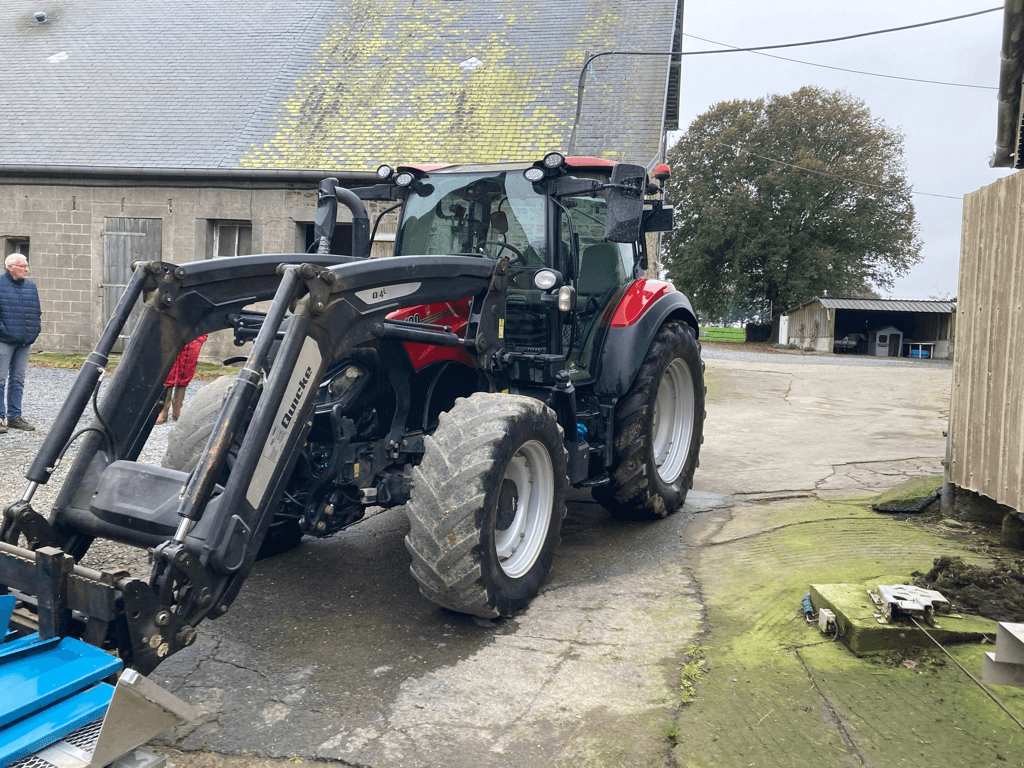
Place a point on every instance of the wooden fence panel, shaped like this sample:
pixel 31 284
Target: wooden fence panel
pixel 987 408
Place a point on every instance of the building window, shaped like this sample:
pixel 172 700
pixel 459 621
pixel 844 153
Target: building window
pixel 341 242
pixel 16 245
pixel 232 238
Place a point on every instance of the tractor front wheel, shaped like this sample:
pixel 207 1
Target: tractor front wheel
pixel 488 504
pixel 659 427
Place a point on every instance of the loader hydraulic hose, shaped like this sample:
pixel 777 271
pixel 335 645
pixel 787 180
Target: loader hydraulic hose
pixel 207 473
pixel 86 381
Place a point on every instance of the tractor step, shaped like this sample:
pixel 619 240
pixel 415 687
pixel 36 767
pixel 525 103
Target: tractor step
pixel 56 708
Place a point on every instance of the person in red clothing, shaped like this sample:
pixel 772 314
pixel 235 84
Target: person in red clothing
pixel 179 378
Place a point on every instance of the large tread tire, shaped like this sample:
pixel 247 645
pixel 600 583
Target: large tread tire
pixel 186 444
pixel 659 428
pixel 492 480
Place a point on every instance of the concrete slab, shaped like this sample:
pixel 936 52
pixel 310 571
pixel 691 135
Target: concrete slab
pixel 861 632
pixel 1002 673
pixel 782 425
pixel 1010 643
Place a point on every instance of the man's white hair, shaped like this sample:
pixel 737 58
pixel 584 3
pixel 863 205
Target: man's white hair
pixel 13 257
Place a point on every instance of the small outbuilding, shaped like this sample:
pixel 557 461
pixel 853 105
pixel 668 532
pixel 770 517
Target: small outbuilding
pixel 886 327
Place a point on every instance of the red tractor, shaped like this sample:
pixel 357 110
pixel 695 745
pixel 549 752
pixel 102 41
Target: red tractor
pixel 510 348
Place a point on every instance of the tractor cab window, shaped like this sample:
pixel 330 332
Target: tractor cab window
pixel 492 215
pixel 604 270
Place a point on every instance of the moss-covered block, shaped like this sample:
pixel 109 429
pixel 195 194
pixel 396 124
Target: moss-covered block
pixel 860 631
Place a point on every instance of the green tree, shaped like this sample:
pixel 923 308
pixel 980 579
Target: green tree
pixel 783 199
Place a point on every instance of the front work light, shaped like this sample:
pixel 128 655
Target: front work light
pixel 404 179
pixel 534 174
pixel 545 279
pixel 384 172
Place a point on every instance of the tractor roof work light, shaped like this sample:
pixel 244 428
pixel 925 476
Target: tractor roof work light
pixel 534 174
pixel 384 172
pixel 404 179
pixel 554 160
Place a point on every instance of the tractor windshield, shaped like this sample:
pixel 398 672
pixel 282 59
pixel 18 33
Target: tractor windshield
pixel 495 214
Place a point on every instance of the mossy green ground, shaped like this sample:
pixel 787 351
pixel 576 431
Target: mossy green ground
pixel 776 692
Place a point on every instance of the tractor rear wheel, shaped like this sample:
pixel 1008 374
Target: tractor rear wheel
pixel 488 503
pixel 659 427
pixel 186 444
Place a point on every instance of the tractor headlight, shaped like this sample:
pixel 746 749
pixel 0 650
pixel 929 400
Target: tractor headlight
pixel 566 298
pixel 545 278
pixel 384 172
pixel 404 179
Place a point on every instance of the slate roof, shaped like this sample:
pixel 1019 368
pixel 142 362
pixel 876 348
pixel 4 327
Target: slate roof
pixel 311 84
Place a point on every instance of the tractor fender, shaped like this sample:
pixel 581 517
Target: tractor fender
pixel 646 305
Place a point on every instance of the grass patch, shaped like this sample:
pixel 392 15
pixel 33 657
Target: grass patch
pixel 691 673
pixel 913 488
pixel 204 371
pixel 671 733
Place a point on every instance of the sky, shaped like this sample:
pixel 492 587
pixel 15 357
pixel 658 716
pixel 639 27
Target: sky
pixel 949 132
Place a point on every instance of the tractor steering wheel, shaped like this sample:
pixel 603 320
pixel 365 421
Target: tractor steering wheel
pixel 520 258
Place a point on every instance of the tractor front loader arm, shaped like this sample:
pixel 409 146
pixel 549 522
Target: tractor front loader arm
pixel 205 537
pixel 179 303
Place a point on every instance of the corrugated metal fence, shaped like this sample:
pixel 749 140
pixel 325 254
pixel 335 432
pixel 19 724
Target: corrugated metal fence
pixel 987 409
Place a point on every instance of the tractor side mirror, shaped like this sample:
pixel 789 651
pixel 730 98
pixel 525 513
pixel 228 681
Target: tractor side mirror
pixel 625 203
pixel 499 222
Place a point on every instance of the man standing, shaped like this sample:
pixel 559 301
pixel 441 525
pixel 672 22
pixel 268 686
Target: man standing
pixel 19 327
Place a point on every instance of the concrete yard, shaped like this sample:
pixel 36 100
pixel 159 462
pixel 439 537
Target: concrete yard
pixel 676 643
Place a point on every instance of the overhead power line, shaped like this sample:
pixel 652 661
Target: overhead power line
pixel 590 59
pixel 844 69
pixel 736 148
pixel 840 39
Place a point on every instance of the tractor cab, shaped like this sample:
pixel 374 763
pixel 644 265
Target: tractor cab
pixel 571 230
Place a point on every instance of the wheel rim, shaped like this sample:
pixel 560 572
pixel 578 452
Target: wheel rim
pixel 672 425
pixel 527 510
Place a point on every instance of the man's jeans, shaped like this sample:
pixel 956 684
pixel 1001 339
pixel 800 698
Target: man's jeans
pixel 13 365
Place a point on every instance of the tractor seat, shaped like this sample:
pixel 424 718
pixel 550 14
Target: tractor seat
pixel 600 270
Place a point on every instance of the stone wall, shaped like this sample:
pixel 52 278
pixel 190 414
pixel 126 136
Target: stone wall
pixel 64 225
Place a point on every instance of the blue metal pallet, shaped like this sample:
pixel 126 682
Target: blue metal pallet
pixel 48 689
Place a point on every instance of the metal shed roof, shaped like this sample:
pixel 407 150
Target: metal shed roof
pixel 885 305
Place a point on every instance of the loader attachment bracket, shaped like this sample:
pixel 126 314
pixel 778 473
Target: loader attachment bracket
pixel 155 631
pixel 20 518
pixel 107 610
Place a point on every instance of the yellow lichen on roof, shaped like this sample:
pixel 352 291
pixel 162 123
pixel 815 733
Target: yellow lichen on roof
pixel 397 83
